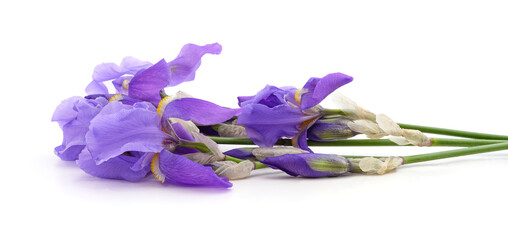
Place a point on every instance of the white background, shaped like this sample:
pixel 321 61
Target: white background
pixel 438 63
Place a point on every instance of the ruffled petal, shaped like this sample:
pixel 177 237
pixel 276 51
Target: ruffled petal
pixel 131 65
pixel 266 125
pixel 115 168
pixel 310 164
pixel 180 170
pixel 65 112
pixel 184 67
pixel 120 128
pixel 317 89
pixel 146 84
pixel 269 96
pixel 199 111
pixel 74 130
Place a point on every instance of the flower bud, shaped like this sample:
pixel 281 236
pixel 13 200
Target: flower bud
pixel 310 164
pixel 329 129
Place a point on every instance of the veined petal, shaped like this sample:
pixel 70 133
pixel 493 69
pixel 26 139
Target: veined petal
pixel 183 68
pixel 265 125
pixel 317 89
pixel 146 84
pixel 115 168
pixel 310 164
pixel 199 111
pixel 120 128
pixel 180 170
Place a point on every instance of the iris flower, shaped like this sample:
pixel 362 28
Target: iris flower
pixel 287 112
pixel 142 80
pixel 121 128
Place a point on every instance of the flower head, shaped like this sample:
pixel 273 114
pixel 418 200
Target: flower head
pixel 286 112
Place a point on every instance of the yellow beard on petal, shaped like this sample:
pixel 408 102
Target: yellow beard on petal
pixel 116 97
pixel 154 166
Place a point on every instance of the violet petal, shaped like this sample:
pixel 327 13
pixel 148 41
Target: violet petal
pixel 199 111
pixel 180 170
pixel 317 89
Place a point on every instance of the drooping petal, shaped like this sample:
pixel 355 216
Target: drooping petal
pixel 115 168
pixel 183 68
pixel 146 84
pixel 265 125
pixel 317 89
pixel 300 140
pixel 75 114
pixel 199 111
pixel 310 164
pixel 120 128
pixel 180 170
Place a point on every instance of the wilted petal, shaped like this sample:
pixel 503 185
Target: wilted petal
pixel 146 84
pixel 199 111
pixel 317 89
pixel 184 67
pixel 179 169
pixel 120 128
pixel 265 125
pixel 310 164
pixel 115 168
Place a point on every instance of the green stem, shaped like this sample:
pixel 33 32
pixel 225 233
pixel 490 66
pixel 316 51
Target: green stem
pixel 452 132
pixel 456 153
pixel 436 142
pixel 237 160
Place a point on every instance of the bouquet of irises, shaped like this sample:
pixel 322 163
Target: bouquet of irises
pixel 140 131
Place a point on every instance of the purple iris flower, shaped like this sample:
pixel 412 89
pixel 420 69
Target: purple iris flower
pixel 121 128
pixel 144 81
pixel 310 164
pixel 286 112
pixel 74 115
